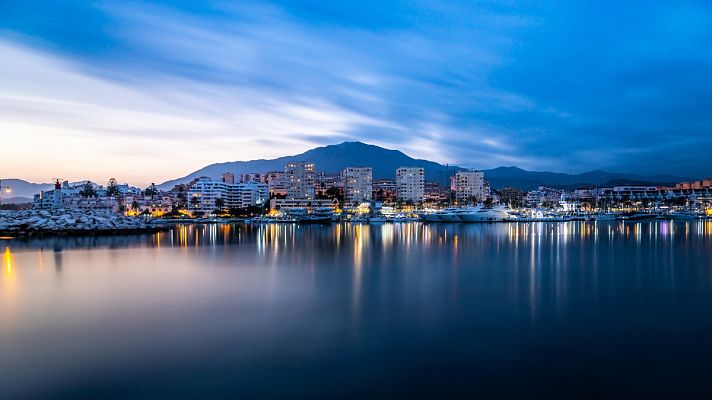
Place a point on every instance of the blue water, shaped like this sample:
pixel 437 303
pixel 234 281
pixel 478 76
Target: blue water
pixel 567 310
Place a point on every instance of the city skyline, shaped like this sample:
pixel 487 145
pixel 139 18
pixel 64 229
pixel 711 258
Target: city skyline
pixel 150 92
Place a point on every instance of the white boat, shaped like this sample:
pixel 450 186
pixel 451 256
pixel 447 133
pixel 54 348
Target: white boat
pixel 377 219
pixel 358 219
pixel 431 217
pixel 607 217
pixel 450 215
pixel 679 216
pixel 483 214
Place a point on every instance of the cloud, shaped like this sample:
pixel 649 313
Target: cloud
pixel 149 92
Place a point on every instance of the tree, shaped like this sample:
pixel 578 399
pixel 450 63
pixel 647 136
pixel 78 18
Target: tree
pixel 219 204
pixel 88 190
pixel 194 201
pixel 488 202
pixel 112 188
pixel 151 190
pixel 135 206
pixel 335 193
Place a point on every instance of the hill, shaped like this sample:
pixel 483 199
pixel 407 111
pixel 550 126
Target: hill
pixel 21 188
pixel 331 159
pixel 334 158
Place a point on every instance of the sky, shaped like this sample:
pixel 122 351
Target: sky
pixel 147 92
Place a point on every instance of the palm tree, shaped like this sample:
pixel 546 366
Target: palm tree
pixel 219 204
pixel 135 206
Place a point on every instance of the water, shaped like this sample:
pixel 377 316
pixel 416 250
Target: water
pixel 224 311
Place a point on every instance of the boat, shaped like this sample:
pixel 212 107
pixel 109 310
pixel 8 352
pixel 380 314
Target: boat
pixel 678 215
pixel 484 214
pixel 607 217
pixel 318 215
pixel 449 215
pixel 358 219
pixel 378 219
pixel 431 217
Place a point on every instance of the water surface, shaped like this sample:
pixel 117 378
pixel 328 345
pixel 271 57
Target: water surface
pixel 352 311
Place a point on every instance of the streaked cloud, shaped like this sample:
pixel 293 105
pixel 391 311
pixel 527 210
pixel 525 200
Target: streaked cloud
pixel 151 91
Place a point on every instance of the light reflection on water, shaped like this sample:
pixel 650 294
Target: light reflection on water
pixel 253 304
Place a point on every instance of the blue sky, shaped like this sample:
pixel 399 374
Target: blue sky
pixel 152 91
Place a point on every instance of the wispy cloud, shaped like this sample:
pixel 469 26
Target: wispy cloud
pixel 150 92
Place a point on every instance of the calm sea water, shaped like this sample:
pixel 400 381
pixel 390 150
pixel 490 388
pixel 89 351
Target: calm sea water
pixel 234 311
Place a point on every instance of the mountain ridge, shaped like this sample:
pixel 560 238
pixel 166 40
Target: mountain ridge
pixel 333 158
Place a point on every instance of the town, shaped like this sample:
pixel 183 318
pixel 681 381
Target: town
pixel 302 193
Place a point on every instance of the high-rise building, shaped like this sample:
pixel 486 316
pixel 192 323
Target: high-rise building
pixel 410 184
pixel 470 187
pixel 228 177
pixel 254 177
pixel 300 180
pixel 275 181
pixel 358 184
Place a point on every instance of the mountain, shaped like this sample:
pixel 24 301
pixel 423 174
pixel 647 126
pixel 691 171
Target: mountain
pixel 16 200
pixel 334 158
pixel 517 177
pixel 20 188
pixel 331 159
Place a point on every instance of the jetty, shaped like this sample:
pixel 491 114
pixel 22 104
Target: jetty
pixel 66 222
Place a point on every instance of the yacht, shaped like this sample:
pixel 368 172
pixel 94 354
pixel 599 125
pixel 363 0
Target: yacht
pixel 482 214
pixel 450 215
pixel 607 217
pixel 678 215
pixel 319 215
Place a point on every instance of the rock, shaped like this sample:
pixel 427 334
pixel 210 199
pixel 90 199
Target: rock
pixel 57 221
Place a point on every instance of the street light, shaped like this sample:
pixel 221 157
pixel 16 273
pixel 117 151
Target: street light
pixel 6 189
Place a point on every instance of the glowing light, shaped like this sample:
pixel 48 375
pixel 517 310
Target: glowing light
pixel 7 261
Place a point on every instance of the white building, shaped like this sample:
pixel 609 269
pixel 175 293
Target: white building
pixel 410 184
pixel 300 178
pixel 275 181
pixel 358 184
pixel 203 195
pixel 543 195
pixel 155 205
pixel 69 195
pixel 243 195
pixel 470 187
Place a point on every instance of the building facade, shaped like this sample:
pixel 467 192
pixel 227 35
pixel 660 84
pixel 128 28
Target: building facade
pixel 275 181
pixel 470 187
pixel 410 184
pixel 358 184
pixel 207 195
pixel 300 178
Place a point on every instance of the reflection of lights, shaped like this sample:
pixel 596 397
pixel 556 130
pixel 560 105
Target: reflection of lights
pixel 7 261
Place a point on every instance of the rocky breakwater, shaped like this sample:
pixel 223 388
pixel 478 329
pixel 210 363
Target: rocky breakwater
pixel 70 222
